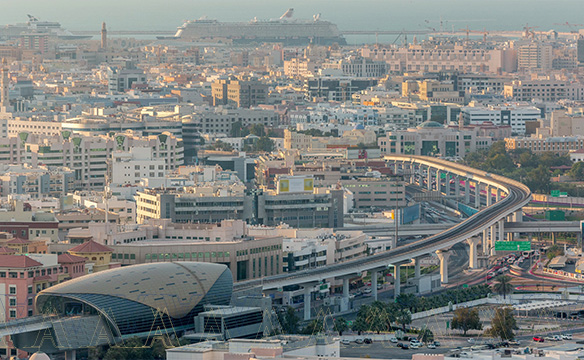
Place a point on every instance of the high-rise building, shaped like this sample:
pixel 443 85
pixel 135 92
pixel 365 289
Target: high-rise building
pixel 103 36
pixel 240 93
pixel 4 82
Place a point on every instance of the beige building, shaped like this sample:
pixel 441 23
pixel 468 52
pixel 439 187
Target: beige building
pixel 544 90
pixel 350 138
pixel 533 55
pixel 433 139
pixel 297 67
pixel 432 90
pixel 437 59
pixel 558 145
pixel 564 123
pixel 227 243
pixel 239 93
pixel 376 192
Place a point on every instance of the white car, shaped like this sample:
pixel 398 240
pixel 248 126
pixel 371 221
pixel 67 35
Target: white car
pixel 415 342
pixel 393 340
pixel 567 336
pixel 414 346
pixel 345 342
pixel 431 346
pixel 367 291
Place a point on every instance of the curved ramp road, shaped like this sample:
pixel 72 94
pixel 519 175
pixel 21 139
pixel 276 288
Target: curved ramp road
pixel 518 195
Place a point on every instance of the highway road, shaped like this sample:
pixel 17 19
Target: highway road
pixel 518 195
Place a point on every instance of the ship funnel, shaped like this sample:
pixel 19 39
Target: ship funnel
pixel 316 17
pixel 288 14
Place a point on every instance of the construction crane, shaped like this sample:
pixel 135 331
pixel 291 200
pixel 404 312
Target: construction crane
pixel 572 27
pixel 528 31
pixel 469 31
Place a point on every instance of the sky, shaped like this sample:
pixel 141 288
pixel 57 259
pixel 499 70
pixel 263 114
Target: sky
pixel 347 14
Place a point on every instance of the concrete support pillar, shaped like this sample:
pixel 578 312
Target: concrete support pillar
pixel 396 281
pixel 489 195
pixel 71 355
pixel 473 259
pixel 374 284
pixel 501 229
pixel 448 186
pixel 466 192
pixel 498 194
pixel 478 195
pixel 429 179
pixel 443 255
pixel 438 181
pixel 493 239
pixel 456 186
pixel 307 298
pixel 553 238
pixel 518 216
pixel 345 298
pixel 417 268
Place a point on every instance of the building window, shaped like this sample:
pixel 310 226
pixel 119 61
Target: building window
pixel 12 290
pixel 12 313
pixel 30 289
pixel 12 301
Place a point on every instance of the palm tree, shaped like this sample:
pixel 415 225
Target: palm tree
pixel 503 285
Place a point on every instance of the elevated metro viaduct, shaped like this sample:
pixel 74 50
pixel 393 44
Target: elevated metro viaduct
pixel 504 199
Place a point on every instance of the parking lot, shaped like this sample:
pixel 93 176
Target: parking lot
pixel 386 350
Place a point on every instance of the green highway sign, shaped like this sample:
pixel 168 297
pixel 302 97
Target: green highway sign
pixel 555 193
pixel 512 245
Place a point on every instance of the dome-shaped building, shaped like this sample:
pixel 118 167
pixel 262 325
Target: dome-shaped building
pixel 137 297
pixel 126 302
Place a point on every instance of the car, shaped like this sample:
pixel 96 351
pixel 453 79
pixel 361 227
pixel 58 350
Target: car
pixel 414 346
pixel 538 339
pixel 431 346
pixel 359 341
pixel 400 345
pixel 393 340
pixel 558 338
pixel 437 343
pixel 567 336
pixel 471 341
pixel 367 291
pixel 368 341
pixel 514 342
pixel 405 347
pixel 551 338
pixel 358 293
pixel 345 342
pixel 379 286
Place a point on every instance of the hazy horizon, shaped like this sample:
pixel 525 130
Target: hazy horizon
pixel 370 14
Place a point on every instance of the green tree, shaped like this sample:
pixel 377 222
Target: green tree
pixel 316 326
pixel 133 348
pixel 220 145
pixel 289 320
pixel 403 317
pixel 503 324
pixel 466 319
pixel 238 130
pixel 577 171
pixel 426 335
pixel 340 325
pixel 538 179
pixel 502 285
pixel 264 143
pixel 360 325
pixel 257 130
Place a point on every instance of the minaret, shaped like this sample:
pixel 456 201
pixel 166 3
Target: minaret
pixel 460 121
pixel 4 97
pixel 103 36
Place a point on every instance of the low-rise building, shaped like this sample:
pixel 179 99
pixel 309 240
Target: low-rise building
pixel 432 138
pixel 514 115
pixel 558 145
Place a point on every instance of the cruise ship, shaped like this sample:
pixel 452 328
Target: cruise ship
pixel 34 25
pixel 282 30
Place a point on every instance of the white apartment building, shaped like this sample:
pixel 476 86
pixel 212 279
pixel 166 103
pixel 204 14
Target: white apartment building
pixel 456 58
pixel 87 156
pixel 130 167
pixel 533 55
pixel 544 90
pixel 513 115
